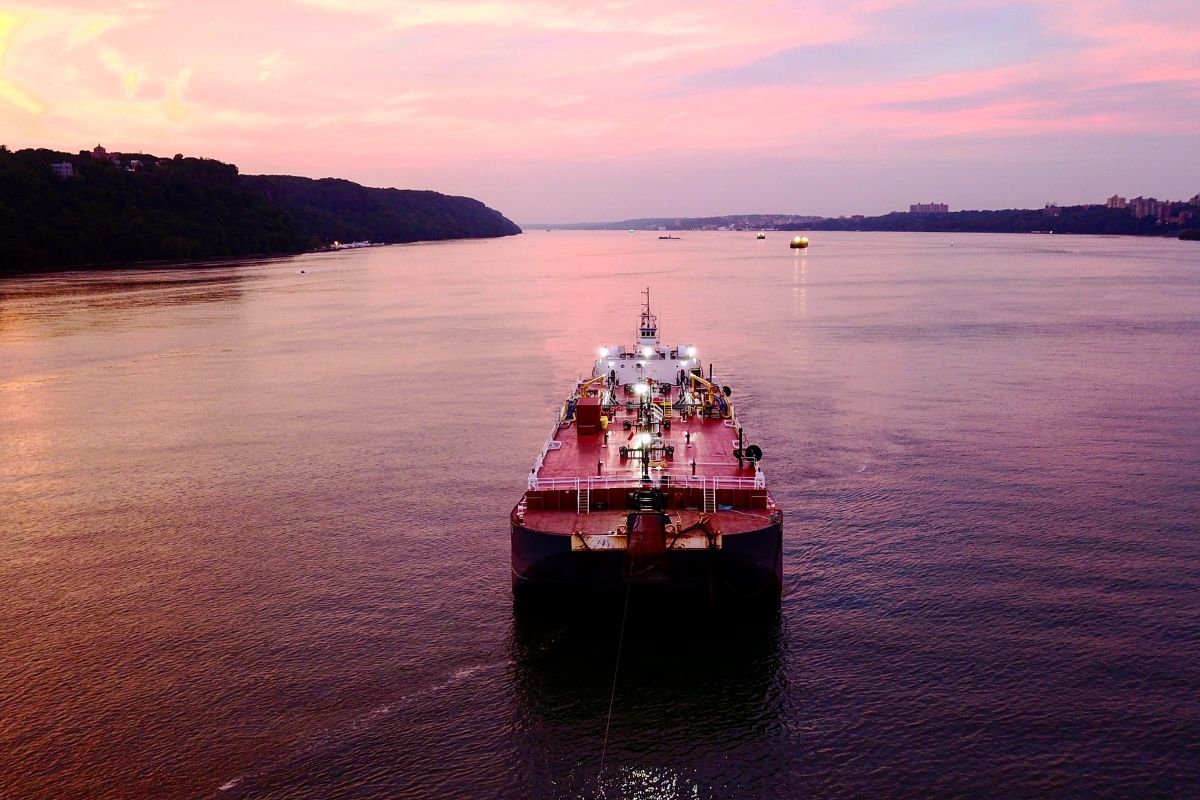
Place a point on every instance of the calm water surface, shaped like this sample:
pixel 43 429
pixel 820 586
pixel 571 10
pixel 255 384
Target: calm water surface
pixel 253 535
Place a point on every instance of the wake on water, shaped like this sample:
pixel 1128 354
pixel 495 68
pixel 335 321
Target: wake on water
pixel 324 737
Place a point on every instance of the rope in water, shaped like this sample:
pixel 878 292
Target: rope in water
pixel 612 695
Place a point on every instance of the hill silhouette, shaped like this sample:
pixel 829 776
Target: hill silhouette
pixel 139 207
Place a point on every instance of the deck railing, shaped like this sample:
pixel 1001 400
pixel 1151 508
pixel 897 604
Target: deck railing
pixel 759 481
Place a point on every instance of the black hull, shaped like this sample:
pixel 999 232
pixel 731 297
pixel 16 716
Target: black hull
pixel 747 570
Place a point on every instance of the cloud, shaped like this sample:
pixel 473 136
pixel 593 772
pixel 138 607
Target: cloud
pixel 599 18
pixel 173 106
pixel 382 89
pixel 10 92
pixel 274 66
pixel 9 23
pixel 898 47
pixel 131 76
pixel 91 29
pixel 15 95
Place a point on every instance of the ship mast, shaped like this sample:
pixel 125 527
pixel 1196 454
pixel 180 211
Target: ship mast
pixel 648 326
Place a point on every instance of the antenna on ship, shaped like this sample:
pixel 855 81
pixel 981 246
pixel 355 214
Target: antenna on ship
pixel 648 327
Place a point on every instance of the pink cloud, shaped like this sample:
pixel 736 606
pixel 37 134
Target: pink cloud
pixel 390 92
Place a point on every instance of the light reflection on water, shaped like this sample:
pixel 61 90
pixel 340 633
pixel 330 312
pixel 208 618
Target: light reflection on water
pixel 254 544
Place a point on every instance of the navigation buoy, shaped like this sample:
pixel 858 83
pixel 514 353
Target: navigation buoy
pixel 799 243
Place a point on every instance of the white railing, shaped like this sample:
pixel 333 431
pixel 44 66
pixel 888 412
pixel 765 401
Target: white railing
pixel 551 444
pixel 759 481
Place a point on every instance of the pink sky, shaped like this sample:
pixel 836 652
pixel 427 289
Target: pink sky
pixel 558 112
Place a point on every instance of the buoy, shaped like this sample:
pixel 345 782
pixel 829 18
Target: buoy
pixel 799 243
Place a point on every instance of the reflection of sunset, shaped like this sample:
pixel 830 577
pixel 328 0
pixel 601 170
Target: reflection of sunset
pixel 800 284
pixel 30 464
pixel 35 307
pixel 256 515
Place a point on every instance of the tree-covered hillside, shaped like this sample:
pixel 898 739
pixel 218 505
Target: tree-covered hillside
pixel 1069 219
pixel 143 208
pixel 338 210
pixel 182 208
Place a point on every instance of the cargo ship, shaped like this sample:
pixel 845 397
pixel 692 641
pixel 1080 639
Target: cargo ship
pixel 647 484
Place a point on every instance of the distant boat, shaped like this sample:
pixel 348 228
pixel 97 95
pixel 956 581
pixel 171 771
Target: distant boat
pixel 761 235
pixel 668 237
pixel 799 243
pixel 631 230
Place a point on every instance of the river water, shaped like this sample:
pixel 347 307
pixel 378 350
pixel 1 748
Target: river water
pixel 253 524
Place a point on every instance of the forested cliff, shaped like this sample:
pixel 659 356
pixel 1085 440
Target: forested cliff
pixel 139 207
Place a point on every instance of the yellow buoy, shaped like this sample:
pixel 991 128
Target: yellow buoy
pixel 799 242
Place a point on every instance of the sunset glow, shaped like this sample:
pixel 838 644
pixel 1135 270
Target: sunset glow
pixel 559 112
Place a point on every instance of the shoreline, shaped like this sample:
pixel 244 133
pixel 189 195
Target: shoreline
pixel 201 263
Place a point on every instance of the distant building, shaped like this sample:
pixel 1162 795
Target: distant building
pixel 100 154
pixel 1142 207
pixel 63 169
pixel 1117 201
pixel 929 208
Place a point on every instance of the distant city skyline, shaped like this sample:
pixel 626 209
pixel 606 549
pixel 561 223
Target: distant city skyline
pixel 554 112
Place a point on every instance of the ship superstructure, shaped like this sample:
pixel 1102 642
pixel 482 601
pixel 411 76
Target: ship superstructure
pixel 647 481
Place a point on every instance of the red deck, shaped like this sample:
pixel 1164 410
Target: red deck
pixel 585 473
pixel 708 442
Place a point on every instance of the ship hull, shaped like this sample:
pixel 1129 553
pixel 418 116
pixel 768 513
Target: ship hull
pixel 747 570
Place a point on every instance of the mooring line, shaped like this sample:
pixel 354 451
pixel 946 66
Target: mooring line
pixel 612 695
